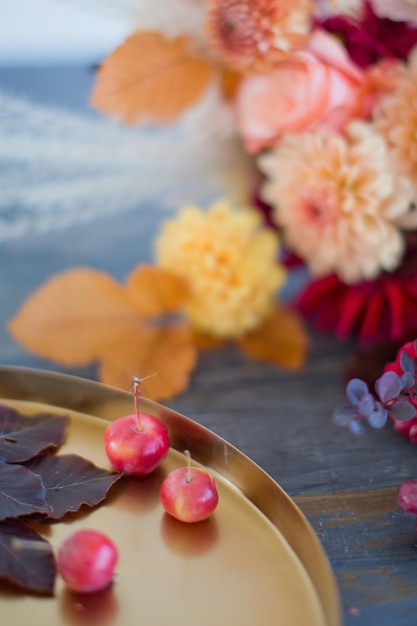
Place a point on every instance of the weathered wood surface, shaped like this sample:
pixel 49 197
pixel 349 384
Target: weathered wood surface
pixel 345 486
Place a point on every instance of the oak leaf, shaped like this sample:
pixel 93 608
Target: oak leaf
pixel 72 316
pixel 164 355
pixel 281 339
pixel 150 78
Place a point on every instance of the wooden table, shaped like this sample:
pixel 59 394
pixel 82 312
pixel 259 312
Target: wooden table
pixel 345 486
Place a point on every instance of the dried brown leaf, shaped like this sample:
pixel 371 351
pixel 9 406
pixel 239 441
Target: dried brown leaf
pixel 281 339
pixel 150 78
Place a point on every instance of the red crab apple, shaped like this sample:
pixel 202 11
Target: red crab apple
pixel 137 443
pixel 407 496
pixel 86 561
pixel 189 493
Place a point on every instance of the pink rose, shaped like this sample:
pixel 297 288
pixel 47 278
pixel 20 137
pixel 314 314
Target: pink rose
pixel 315 87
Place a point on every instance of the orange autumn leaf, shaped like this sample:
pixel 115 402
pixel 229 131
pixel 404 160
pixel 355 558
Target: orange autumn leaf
pixel 229 83
pixel 204 341
pixel 281 339
pixel 164 356
pixel 150 78
pixel 155 291
pixel 73 316
pixel 83 315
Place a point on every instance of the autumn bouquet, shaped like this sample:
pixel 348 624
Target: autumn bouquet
pixel 321 98
pixel 322 95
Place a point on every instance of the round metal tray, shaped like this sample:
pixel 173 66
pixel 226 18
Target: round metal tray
pixel 255 561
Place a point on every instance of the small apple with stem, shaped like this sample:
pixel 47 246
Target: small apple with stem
pixel 86 561
pixel 137 443
pixel 189 493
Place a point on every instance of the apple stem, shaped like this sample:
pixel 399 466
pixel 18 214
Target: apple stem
pixel 136 393
pixel 188 455
pixel 135 387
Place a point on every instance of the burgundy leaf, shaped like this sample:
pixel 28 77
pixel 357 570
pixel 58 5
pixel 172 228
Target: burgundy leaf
pixel 407 364
pixel 356 428
pixel 23 437
pixel 21 492
pixel 378 417
pixel 407 381
pixel 366 405
pixel 356 389
pixel 388 386
pixel 343 415
pixel 26 559
pixel 71 481
pixel 402 410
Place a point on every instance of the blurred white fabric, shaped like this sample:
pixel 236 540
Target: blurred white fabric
pixel 58 169
pixel 36 32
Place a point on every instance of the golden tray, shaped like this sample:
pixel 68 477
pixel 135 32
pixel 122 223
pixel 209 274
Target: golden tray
pixel 255 562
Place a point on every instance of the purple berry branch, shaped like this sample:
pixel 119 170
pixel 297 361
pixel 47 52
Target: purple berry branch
pixel 395 399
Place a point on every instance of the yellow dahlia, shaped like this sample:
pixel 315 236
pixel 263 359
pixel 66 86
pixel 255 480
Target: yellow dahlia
pixel 229 263
pixel 340 205
pixel 253 35
pixel 396 120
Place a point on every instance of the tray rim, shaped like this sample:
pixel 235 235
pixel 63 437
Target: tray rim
pixel 39 385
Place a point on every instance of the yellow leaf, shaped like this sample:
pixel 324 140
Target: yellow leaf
pixel 156 291
pixel 165 354
pixel 150 78
pixel 281 339
pixel 73 316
